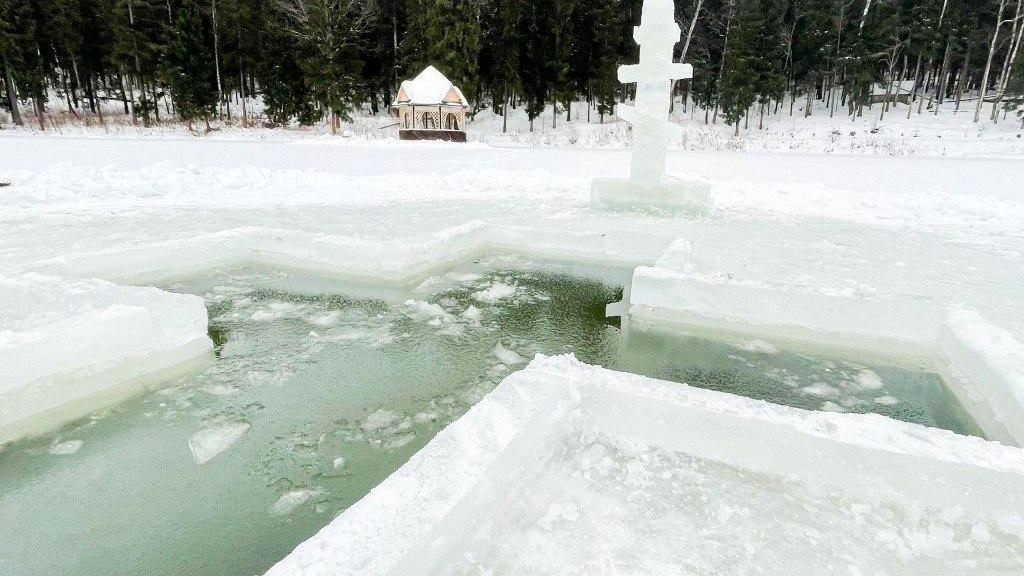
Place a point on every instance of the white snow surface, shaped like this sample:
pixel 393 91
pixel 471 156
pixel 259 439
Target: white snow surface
pixel 576 455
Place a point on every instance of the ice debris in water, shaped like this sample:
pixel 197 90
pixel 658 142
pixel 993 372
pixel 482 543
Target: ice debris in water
pixel 496 291
pixel 65 448
pixel 206 444
pixel 338 462
pixel 757 345
pixel 277 311
pixel 219 389
pixel 508 357
pixel 292 499
pixel 472 313
pixel 868 380
pixel 380 419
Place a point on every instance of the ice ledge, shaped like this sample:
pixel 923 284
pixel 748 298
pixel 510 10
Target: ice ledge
pixel 380 261
pixel 415 517
pixel 982 364
pixel 70 346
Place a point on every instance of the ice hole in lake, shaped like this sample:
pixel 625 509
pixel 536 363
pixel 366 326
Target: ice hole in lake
pixel 320 390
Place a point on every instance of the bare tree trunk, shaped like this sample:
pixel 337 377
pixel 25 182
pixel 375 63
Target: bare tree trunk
pixel 12 93
pixel 1011 57
pixel 940 89
pixel 983 88
pixel 40 110
pixel 721 67
pixel 917 81
pixel 686 48
pixel 216 58
pixel 810 101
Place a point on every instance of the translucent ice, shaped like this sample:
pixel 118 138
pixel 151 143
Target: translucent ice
pixel 208 443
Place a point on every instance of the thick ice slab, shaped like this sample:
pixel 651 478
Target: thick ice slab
pixel 390 261
pixel 561 452
pixel 70 346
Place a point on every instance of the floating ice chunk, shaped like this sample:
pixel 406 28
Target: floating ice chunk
pixel 820 389
pixel 338 462
pixel 868 380
pixel 757 345
pixel 832 407
pixel 508 357
pixel 428 312
pixel 472 313
pixel 277 311
pixel 65 448
pixel 380 419
pixel 208 443
pixel 330 318
pixel 887 400
pixel 292 499
pixel 496 291
pixel 463 276
pixel 398 441
pixel 219 389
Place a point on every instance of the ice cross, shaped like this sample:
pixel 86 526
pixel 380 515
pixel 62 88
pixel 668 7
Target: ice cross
pixel 648 185
pixel 657 36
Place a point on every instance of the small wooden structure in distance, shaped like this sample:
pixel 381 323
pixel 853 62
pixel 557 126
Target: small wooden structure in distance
pixel 430 107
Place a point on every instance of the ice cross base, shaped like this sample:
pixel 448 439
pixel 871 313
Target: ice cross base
pixel 648 187
pixel 669 195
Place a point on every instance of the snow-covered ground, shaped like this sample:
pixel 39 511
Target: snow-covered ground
pixel 949 133
pixel 901 255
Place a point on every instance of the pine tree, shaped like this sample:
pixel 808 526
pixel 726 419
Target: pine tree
pixel 536 18
pixel 605 55
pixel 738 86
pixel 14 30
pixel 327 33
pixel 452 30
pixel 188 66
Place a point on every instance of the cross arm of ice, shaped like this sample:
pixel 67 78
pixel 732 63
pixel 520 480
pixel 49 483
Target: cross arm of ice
pixel 629 73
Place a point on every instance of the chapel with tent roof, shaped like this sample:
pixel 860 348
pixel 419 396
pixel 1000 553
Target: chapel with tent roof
pixel 430 107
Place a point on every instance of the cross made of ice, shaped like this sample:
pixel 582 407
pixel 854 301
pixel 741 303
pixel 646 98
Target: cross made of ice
pixel 648 185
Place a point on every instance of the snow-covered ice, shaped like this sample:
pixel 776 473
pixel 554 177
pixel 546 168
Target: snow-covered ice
pixel 589 468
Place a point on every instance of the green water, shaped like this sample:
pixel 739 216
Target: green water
pixel 337 392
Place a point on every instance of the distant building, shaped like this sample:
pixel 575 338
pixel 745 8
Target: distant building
pixel 430 107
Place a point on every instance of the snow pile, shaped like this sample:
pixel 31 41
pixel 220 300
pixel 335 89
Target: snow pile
pixel 577 454
pixel 66 343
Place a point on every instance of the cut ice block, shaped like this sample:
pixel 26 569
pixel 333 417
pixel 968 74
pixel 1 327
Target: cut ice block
pixel 70 346
pixel 852 478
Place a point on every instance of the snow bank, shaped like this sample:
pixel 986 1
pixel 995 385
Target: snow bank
pixel 416 520
pixel 69 346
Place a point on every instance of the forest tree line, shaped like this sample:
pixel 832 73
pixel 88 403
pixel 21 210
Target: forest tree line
pixel 310 60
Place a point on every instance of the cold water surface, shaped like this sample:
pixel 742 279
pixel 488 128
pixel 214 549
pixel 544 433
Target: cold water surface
pixel 315 397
